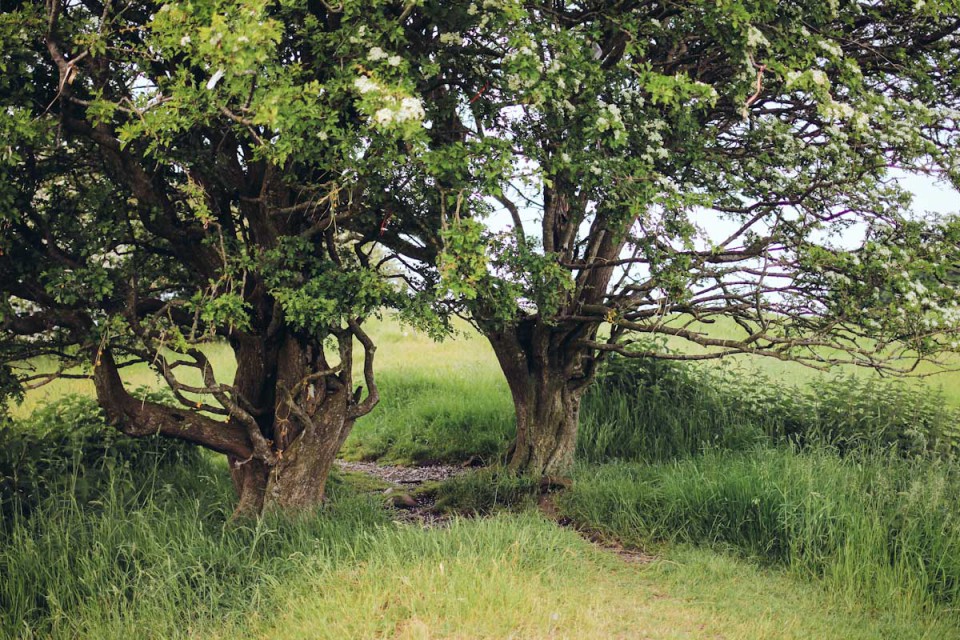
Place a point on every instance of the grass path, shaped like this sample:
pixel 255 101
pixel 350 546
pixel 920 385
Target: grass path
pixel 521 576
pixel 524 575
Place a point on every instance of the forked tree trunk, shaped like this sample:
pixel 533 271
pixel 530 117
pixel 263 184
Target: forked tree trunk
pixel 546 380
pixel 299 479
pixel 306 448
pixel 300 419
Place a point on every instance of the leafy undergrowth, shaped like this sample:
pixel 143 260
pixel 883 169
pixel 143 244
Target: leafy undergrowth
pixel 66 447
pixel 877 532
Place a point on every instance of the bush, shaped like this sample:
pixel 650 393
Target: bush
pixel 67 444
pixel 659 410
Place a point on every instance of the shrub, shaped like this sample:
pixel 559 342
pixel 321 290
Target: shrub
pixel 67 444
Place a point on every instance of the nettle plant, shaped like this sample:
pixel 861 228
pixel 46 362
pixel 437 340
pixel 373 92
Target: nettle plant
pixel 666 165
pixel 175 173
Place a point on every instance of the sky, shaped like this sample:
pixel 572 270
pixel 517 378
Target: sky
pixel 930 196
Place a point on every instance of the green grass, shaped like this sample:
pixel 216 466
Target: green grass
pixel 660 410
pixel 155 557
pixel 446 415
pixel 519 576
pixel 879 532
pixel 753 542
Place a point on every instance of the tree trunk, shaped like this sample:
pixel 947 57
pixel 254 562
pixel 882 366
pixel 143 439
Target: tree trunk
pixel 546 377
pixel 298 481
pixel 250 482
pixel 289 413
pixel 547 420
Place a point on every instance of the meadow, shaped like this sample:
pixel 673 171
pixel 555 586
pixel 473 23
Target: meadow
pixel 769 501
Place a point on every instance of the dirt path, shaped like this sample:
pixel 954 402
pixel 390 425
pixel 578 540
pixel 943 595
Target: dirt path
pixel 548 507
pixel 411 477
pixel 404 481
pixel 420 509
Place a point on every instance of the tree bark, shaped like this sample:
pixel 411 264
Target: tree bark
pixel 250 482
pixel 298 480
pixel 546 377
pixel 548 415
pixel 289 415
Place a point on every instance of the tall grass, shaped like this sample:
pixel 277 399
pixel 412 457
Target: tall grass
pixel 878 530
pixel 658 410
pixel 155 556
pixel 426 418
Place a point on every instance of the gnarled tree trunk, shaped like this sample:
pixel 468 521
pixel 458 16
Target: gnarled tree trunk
pixel 548 415
pixel 287 414
pixel 547 373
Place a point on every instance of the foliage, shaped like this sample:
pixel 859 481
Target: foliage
pixel 877 529
pixel 596 173
pixel 626 136
pixel 66 446
pixel 176 172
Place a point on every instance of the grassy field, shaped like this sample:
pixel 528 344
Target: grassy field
pixel 747 541
pixel 159 561
pixel 466 358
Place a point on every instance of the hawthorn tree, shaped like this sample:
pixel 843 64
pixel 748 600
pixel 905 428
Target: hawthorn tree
pixel 667 164
pixel 173 173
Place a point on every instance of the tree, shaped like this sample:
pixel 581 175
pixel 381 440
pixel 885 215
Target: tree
pixel 183 172
pixel 686 162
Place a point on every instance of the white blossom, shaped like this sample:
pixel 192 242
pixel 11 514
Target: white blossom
pixel 394 61
pixel 410 109
pixel 831 47
pixel 819 77
pixel 383 116
pixel 755 38
pixel 376 53
pixel 184 41
pixel 363 84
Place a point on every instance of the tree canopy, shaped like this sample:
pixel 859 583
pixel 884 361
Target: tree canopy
pixel 668 164
pixel 177 172
pixel 272 173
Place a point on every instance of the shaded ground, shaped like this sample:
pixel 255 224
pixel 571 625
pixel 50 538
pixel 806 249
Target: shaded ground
pixel 420 508
pixel 410 477
pixel 410 506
